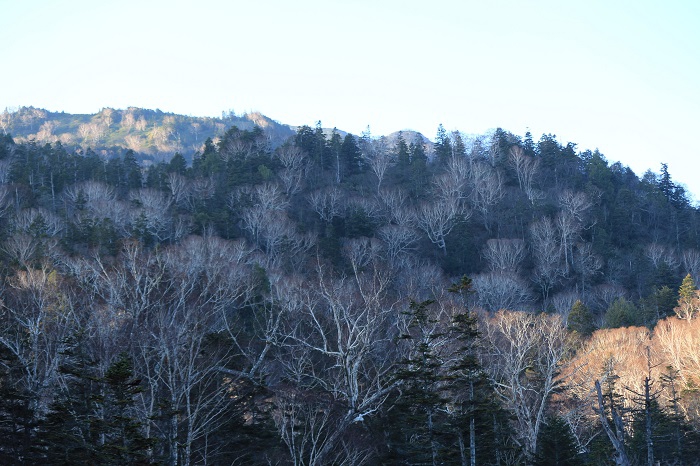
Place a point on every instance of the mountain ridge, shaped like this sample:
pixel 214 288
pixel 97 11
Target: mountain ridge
pixel 153 134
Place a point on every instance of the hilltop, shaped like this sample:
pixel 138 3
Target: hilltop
pixel 150 133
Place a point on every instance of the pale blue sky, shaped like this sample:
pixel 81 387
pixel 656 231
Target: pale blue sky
pixel 621 76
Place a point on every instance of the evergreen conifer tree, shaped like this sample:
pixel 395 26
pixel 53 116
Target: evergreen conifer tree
pixel 580 319
pixel 557 445
pixel 17 419
pixel 417 420
pixel 124 441
pixel 443 146
pixel 70 434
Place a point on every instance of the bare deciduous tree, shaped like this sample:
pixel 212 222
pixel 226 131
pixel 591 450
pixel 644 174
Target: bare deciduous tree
pixel 378 157
pixel 174 300
pixel 5 168
pixel 5 200
pixel 604 295
pixel 576 205
pixel 340 338
pixel 5 120
pixel 526 168
pixel 45 133
pixel 659 254
pixel 266 219
pixel 305 424
pixel 294 161
pixel 203 188
pixel 438 218
pixel 524 355
pixel 36 320
pixel 154 207
pixel 141 123
pixel 504 255
pixel 399 240
pixel 501 290
pixel 586 263
pixel 691 263
pixel 563 302
pixel 89 192
pixel 38 222
pixel 128 120
pixel 134 142
pixel 549 266
pixel 179 189
pixel 327 203
pixel 487 190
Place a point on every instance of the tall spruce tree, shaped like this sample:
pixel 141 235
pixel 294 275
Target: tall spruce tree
pixel 557 445
pixel 17 419
pixel 71 433
pixel 479 424
pixel 124 440
pixel 351 156
pixel 443 146
pixel 417 423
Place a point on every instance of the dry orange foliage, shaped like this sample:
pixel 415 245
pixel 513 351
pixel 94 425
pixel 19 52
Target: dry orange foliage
pixel 632 353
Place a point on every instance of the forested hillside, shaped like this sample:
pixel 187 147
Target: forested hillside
pixel 153 135
pixel 343 299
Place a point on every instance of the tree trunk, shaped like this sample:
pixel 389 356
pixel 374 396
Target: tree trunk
pixel 647 415
pixel 621 458
pixel 173 432
pixel 472 427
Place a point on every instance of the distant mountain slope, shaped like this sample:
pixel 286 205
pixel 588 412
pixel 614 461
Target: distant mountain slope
pixel 151 133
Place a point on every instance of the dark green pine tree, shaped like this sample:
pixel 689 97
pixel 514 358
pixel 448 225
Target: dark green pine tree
pixel 114 172
pixel 205 163
pixel 674 194
pixel 70 434
pixel 417 422
pixel 480 425
pixel 351 157
pixel 399 173
pixel 529 145
pixel 156 176
pixel 678 442
pixel 319 150
pixel 660 303
pixel 313 142
pixel 556 445
pixel 459 149
pixel 580 319
pixel 90 167
pixel 132 171
pixel 305 139
pixel 443 146
pixel 648 421
pixel 249 435
pixel 403 156
pixel 613 437
pixel 124 441
pixel 418 169
pixel 177 164
pixel 17 422
pixel 7 146
pixel 335 143
pixel 140 230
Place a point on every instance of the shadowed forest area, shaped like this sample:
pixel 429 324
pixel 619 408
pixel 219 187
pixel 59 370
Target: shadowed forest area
pixel 321 298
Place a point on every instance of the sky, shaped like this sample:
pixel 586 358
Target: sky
pixel 620 76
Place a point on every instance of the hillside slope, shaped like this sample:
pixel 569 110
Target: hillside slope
pixel 150 133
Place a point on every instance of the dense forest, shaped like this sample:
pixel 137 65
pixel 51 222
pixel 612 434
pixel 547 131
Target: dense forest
pixel 333 299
